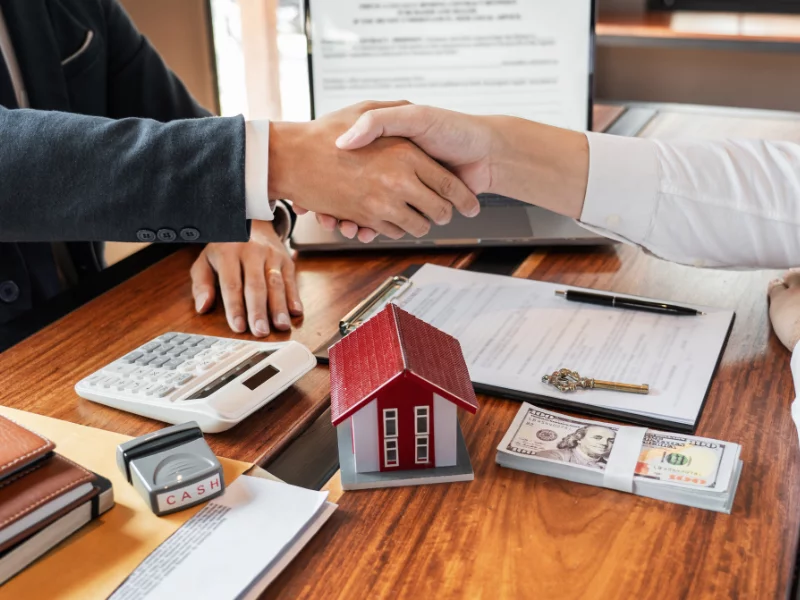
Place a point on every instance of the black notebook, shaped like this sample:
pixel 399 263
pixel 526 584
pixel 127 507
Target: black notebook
pixel 514 331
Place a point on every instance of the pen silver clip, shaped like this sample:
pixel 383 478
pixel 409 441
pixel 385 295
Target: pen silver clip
pixel 391 289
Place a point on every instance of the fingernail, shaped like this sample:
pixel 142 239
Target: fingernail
pixel 475 211
pixel 282 320
pixel 200 302
pixel 239 324
pixel 297 306
pixel 262 327
pixel 345 138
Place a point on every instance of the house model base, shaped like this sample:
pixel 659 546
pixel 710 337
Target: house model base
pixel 351 480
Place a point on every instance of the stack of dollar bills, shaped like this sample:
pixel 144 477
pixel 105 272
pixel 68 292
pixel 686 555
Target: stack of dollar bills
pixel 671 467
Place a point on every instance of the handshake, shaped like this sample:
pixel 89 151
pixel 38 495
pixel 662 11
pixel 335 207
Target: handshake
pixel 388 168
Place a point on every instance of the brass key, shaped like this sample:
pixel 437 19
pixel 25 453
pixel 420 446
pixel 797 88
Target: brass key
pixel 565 380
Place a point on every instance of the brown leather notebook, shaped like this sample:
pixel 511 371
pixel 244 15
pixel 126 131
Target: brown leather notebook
pixel 20 447
pixel 38 485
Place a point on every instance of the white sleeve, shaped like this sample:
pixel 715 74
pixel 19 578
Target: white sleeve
pixel 256 171
pixel 701 203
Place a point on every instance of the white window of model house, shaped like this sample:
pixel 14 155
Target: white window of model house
pixel 422 449
pixel 422 430
pixel 390 454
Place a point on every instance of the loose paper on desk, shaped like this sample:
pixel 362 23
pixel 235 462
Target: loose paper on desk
pixel 234 547
pixel 513 331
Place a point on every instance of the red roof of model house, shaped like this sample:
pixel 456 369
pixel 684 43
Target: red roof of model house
pixel 392 343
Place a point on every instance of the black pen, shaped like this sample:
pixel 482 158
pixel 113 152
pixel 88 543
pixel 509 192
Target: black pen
pixel 628 303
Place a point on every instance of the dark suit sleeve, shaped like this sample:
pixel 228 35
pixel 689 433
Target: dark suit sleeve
pixel 73 177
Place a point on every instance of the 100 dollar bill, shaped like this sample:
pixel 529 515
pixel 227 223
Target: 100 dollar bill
pixel 671 458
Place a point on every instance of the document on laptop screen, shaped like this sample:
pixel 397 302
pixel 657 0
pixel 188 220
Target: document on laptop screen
pixel 526 58
pixel 514 331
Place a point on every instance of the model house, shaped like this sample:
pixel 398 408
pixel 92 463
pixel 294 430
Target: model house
pixel 396 383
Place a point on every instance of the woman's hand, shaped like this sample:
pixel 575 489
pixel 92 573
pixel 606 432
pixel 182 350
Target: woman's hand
pixel 784 308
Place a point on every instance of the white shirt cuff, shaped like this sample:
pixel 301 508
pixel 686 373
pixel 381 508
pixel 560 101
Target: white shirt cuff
pixel 256 171
pixel 622 192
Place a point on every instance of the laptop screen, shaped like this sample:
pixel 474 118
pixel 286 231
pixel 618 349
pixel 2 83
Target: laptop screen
pixel 525 58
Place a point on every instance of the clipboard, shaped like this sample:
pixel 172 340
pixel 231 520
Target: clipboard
pixel 394 288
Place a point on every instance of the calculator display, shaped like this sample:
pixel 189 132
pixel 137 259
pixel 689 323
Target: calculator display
pixel 233 373
pixel 262 376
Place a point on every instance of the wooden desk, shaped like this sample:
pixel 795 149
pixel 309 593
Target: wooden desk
pixel 38 374
pixel 510 534
pixel 507 534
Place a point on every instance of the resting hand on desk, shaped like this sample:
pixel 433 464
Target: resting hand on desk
pixel 253 277
pixel 784 308
pixel 390 186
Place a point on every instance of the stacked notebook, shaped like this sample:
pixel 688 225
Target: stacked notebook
pixel 44 497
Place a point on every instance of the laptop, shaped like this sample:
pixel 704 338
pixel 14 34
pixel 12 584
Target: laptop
pixel 532 59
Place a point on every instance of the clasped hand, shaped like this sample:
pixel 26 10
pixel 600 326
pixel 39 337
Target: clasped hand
pixel 441 153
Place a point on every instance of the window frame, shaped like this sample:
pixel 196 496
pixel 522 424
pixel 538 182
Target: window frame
pixel 419 412
pixel 387 449
pixel 427 445
pixel 394 417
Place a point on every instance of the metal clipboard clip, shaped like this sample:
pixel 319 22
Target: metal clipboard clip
pixel 391 289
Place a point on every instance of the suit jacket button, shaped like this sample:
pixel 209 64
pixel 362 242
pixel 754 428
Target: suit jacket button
pixel 145 235
pixel 190 234
pixel 9 292
pixel 167 235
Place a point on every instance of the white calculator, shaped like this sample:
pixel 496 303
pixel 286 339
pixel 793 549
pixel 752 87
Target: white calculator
pixel 216 382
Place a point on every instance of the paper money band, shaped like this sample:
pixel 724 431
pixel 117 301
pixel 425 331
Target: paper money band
pixel 621 465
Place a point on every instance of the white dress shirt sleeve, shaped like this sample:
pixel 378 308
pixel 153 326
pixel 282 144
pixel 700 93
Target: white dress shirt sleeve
pixel 701 203
pixel 256 171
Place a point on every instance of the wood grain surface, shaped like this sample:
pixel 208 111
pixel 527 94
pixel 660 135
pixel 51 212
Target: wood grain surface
pixel 39 374
pixel 510 534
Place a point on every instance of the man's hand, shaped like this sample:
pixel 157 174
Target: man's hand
pixel 784 308
pixel 253 277
pixel 462 143
pixel 389 186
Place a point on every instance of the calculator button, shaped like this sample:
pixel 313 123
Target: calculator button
pixel 110 382
pixel 206 365
pixel 161 360
pixel 193 340
pixel 167 337
pixel 178 350
pixel 132 356
pixel 207 343
pixel 163 391
pixel 164 349
pixel 121 369
pixel 188 366
pixel 173 364
pixel 96 379
pixel 179 339
pixel 183 379
pixel 146 359
pixel 149 347
pixel 192 352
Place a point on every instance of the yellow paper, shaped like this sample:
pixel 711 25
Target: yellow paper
pixel 97 558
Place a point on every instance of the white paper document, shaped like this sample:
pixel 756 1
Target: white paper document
pixel 525 58
pixel 514 331
pixel 234 547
